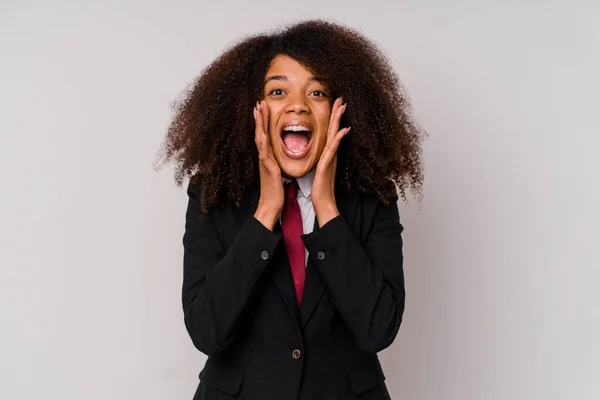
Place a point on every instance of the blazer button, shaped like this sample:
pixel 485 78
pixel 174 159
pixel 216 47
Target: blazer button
pixel 321 255
pixel 296 354
pixel 264 255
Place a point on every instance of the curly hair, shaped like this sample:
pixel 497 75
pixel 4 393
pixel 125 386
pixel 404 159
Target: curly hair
pixel 211 137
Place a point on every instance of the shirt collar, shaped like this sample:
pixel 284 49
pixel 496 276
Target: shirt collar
pixel 304 182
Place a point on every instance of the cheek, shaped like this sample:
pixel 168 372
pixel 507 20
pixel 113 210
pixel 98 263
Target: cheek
pixel 323 119
pixel 319 144
pixel 322 140
pixel 323 123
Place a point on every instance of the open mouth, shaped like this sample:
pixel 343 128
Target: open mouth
pixel 296 140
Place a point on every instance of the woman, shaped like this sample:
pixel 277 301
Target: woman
pixel 293 278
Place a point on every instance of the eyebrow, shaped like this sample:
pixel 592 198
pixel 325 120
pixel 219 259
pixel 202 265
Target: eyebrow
pixel 284 78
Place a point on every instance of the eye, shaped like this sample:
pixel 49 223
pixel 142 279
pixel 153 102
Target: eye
pixel 276 92
pixel 319 93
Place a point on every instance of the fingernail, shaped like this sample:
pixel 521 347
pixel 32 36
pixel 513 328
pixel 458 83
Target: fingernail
pixel 254 113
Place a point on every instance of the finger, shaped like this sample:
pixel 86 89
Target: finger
pixel 331 148
pixel 264 112
pixel 261 135
pixel 258 124
pixel 335 122
pixel 266 154
pixel 338 138
pixel 263 153
pixel 333 172
pixel 336 104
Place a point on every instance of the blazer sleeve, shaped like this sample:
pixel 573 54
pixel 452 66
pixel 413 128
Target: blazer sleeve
pixel 218 282
pixel 366 282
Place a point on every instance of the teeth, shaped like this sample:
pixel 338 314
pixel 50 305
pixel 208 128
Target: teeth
pixel 297 128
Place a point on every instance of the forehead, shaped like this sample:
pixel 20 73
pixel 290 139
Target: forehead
pixel 286 68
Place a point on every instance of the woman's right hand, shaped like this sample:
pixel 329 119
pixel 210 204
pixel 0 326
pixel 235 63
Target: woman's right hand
pixel 272 196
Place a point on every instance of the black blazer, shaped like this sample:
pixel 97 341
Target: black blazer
pixel 240 307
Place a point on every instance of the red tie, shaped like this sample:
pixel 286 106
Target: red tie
pixel 291 225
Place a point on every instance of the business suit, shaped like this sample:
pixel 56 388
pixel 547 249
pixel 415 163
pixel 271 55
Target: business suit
pixel 240 307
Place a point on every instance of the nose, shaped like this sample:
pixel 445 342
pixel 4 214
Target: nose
pixel 297 104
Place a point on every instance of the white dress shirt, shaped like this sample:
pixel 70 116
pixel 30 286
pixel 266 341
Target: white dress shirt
pixel 305 203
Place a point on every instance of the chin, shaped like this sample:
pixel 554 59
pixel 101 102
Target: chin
pixel 295 168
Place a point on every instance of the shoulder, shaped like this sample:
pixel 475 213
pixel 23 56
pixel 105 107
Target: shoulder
pixel 388 194
pixel 197 197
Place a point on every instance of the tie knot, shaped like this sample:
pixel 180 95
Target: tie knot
pixel 291 190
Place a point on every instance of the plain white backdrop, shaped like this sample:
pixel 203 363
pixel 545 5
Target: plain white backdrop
pixel 502 258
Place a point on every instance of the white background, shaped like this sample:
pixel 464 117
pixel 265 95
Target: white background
pixel 502 259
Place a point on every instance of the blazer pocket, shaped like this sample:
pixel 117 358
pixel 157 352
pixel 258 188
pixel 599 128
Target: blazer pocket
pixel 226 378
pixel 366 376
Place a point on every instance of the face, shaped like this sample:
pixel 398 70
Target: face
pixel 299 109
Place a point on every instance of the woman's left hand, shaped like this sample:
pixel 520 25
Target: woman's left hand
pixel 323 187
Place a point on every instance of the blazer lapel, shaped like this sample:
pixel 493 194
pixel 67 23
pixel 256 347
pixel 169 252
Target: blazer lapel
pixel 282 274
pixel 284 280
pixel 314 285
